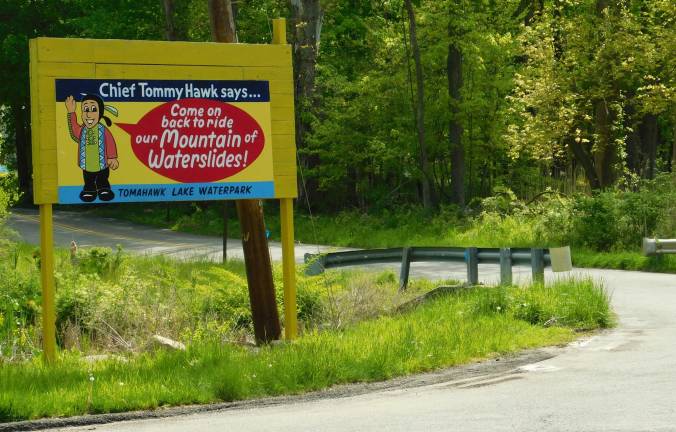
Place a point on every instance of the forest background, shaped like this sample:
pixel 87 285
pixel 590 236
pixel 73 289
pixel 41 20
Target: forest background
pixel 454 111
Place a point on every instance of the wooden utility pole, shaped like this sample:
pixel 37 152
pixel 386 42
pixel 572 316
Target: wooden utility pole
pixel 250 212
pixel 222 21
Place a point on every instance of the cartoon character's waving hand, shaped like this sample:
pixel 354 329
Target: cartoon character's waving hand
pixel 97 151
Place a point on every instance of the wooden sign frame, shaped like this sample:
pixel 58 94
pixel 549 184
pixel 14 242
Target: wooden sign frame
pixel 55 58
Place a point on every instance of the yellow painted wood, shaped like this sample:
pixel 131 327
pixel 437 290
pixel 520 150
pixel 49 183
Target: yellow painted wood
pixel 289 269
pixel 282 73
pixel 161 53
pixel 279 31
pixel 67 70
pixel 280 86
pixel 47 279
pixel 282 113
pixel 47 107
pixel 282 100
pixel 35 118
pixel 285 169
pixel 48 175
pixel 283 141
pixel 286 209
pixel 47 135
pixel 286 187
pixel 284 156
pixel 282 126
pixel 60 50
pixel 43 132
pixel 104 71
pixel 86 58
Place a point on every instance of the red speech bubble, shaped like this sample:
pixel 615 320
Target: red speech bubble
pixel 196 140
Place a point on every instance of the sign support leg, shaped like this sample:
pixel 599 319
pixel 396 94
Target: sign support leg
pixel 47 279
pixel 289 269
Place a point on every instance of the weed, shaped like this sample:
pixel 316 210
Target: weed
pixel 448 330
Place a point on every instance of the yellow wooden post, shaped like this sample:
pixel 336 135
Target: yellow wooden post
pixel 47 278
pixel 289 269
pixel 286 210
pixel 279 31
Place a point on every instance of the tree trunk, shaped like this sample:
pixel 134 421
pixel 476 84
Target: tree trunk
pixel 23 149
pixel 222 21
pixel 454 64
pixel 604 149
pixel 170 29
pixel 250 212
pixel 307 23
pixel 420 108
pixel 531 7
pixel 587 163
pixel 648 131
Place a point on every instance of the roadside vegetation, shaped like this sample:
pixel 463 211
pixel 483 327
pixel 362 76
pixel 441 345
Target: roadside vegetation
pixel 111 305
pixel 605 229
pixel 458 328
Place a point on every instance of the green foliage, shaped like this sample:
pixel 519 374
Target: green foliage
pixel 9 195
pixel 447 331
pixel 529 93
pixel 613 220
pixel 106 301
pixel 20 297
pixel 578 303
pixel 626 260
pixel 618 220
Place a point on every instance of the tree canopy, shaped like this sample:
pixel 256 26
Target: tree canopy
pixel 573 95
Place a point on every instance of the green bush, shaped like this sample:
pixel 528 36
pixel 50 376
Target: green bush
pixel 618 220
pixel 20 297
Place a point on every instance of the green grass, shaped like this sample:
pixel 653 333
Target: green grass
pixel 396 229
pixel 459 328
pixel 112 301
pixel 624 260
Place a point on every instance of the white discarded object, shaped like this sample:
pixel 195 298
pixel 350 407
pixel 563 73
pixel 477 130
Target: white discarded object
pixel 158 341
pixel 560 257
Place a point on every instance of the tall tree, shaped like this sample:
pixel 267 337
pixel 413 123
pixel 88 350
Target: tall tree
pixel 250 212
pixel 420 108
pixel 598 91
pixel 454 72
pixel 175 19
pixel 307 19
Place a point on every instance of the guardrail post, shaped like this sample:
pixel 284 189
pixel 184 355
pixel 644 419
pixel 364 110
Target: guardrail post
pixel 316 264
pixel 505 266
pixel 405 268
pixel 472 260
pixel 537 261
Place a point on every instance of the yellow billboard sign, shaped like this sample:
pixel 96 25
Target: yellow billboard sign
pixel 129 121
pixel 120 120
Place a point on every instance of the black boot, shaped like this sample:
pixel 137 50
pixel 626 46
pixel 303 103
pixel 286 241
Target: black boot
pixel 87 196
pixel 106 194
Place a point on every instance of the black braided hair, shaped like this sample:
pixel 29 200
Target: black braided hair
pixel 99 101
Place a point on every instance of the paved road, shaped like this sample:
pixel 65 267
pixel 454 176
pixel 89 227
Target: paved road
pixel 620 380
pixel 87 230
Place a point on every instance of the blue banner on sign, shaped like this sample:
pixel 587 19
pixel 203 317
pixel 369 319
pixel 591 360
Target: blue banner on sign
pixel 164 90
pixel 175 192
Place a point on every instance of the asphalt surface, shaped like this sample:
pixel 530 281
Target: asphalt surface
pixel 619 380
pixel 87 231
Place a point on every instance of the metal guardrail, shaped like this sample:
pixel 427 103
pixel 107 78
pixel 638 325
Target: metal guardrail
pixel 653 247
pixel 506 257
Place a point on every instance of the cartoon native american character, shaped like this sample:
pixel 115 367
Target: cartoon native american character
pixel 97 151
